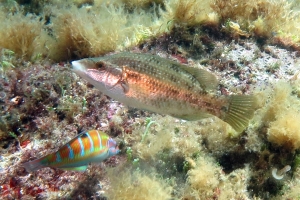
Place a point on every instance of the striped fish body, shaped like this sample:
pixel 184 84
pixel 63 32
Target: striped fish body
pixel 87 147
pixel 159 85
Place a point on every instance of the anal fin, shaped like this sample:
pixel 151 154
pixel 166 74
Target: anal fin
pixel 192 117
pixel 80 168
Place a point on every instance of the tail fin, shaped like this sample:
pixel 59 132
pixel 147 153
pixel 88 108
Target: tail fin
pixel 240 110
pixel 33 165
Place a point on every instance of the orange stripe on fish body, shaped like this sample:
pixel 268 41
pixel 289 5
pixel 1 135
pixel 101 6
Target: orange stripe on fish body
pixel 87 147
pixel 75 146
pixel 95 138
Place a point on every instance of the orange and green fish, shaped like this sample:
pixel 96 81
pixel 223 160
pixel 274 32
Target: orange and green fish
pixel 159 85
pixel 87 147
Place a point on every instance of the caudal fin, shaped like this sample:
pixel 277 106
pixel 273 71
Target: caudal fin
pixel 240 111
pixel 33 165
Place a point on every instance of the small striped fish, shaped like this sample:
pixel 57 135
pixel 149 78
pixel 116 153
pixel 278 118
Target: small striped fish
pixel 87 147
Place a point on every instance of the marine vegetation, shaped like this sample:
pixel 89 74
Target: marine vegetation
pixel 169 137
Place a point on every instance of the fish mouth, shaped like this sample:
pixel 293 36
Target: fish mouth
pixel 78 66
pixel 102 79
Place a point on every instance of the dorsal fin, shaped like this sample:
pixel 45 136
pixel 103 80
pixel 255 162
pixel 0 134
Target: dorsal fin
pixel 206 79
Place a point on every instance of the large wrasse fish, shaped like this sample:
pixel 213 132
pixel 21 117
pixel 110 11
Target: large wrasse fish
pixel 87 147
pixel 163 86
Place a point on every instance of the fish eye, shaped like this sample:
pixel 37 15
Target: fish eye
pixel 100 65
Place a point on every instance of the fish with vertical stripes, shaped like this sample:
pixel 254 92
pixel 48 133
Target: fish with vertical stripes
pixel 87 147
pixel 163 86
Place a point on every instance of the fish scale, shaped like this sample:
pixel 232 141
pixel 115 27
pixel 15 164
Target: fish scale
pixel 151 65
pixel 163 86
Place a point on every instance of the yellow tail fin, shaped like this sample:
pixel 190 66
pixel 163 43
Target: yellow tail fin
pixel 240 111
